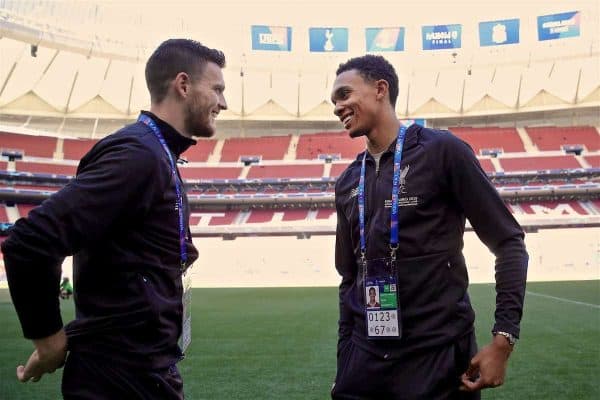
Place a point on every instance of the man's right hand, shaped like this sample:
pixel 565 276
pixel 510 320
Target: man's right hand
pixel 49 355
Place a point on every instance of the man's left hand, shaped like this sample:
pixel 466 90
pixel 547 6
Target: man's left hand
pixel 488 366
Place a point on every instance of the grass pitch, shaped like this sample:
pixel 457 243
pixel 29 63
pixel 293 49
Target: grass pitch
pixel 281 343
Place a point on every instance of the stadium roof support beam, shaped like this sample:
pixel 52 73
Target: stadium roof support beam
pixel 10 73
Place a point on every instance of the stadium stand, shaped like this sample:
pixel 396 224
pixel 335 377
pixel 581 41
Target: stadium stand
pixel 553 138
pixel 593 161
pixel 3 165
pixel 267 147
pixel 480 138
pixel 310 146
pixel 541 208
pixel 37 187
pixel 487 165
pixel 260 216
pixel 74 149
pixel 3 214
pixel 337 169
pixel 45 168
pixel 32 146
pixel 539 163
pixel 286 171
pixel 227 219
pixel 295 215
pixel 271 216
pixel 325 213
pixel 24 209
pixel 201 150
pixel 210 172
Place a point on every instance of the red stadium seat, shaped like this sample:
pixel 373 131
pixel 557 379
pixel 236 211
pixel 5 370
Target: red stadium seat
pixel 554 208
pixel 267 147
pixel 46 168
pixel 75 149
pixel 594 161
pixel 260 216
pixel 487 165
pixel 553 138
pixel 506 139
pixel 337 169
pixel 32 146
pixel 3 214
pixel 210 172
pixel 200 151
pixel 24 209
pixel 539 163
pixel 311 145
pixel 285 171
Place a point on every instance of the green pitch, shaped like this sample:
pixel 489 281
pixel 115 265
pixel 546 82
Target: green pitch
pixel 280 344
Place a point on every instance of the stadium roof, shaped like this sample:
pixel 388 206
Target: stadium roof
pixel 85 60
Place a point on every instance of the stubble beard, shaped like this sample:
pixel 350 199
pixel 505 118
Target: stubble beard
pixel 196 127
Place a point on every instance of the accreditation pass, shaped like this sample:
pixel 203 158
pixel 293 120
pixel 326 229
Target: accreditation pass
pixel 381 306
pixel 186 331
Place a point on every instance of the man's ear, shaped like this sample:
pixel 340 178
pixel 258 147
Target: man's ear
pixel 181 84
pixel 382 88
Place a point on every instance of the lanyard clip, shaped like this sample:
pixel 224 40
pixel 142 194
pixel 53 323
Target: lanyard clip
pixel 363 258
pixel 393 249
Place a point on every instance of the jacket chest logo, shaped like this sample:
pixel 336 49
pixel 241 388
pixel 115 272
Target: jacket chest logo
pixel 402 201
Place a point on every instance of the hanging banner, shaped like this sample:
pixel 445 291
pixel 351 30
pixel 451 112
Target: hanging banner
pixel 495 33
pixel 271 38
pixel 385 39
pixel 324 40
pixel 559 26
pixel 438 37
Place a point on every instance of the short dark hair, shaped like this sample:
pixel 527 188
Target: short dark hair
pixel 372 68
pixel 174 56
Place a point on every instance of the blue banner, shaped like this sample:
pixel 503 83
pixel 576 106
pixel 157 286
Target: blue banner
pixel 409 122
pixel 385 39
pixel 495 33
pixel 559 26
pixel 438 37
pixel 273 38
pixel 328 39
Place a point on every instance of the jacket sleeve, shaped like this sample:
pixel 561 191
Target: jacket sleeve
pixel 495 226
pixel 345 263
pixel 113 183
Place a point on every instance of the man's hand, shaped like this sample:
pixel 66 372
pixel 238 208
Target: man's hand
pixel 488 367
pixel 49 354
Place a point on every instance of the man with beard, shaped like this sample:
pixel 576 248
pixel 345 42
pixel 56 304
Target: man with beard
pixel 124 217
pixel 401 211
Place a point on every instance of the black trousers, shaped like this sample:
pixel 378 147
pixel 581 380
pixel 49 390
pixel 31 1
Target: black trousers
pixel 430 375
pixel 87 378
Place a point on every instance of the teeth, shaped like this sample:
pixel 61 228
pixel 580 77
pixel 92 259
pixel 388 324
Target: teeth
pixel 347 120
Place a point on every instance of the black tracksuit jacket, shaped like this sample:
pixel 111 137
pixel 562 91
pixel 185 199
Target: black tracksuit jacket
pixel 118 218
pixel 442 184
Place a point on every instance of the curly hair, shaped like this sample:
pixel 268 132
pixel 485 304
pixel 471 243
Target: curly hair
pixel 372 68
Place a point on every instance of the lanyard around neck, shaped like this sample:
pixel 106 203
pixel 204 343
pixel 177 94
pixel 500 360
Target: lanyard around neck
pixel 178 190
pixel 395 198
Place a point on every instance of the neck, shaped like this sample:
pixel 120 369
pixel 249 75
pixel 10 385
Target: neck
pixel 380 137
pixel 173 116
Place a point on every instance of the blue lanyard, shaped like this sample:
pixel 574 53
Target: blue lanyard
pixel 179 200
pixel 395 197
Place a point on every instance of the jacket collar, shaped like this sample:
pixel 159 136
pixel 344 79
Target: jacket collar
pixel 176 142
pixel 411 140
